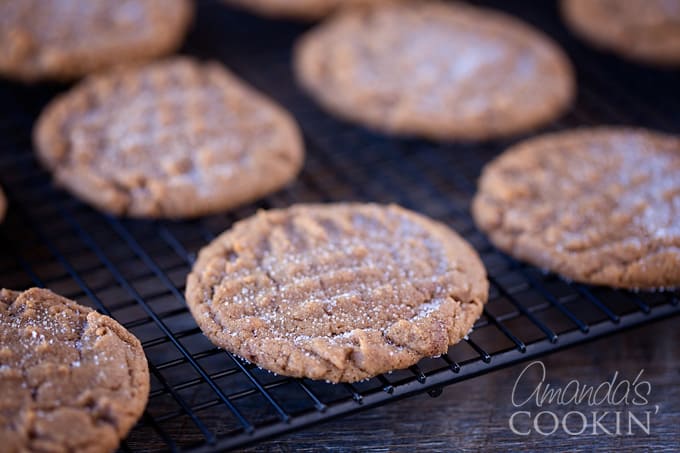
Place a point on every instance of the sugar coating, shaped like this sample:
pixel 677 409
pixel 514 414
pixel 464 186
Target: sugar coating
pixel 70 378
pixel 439 70
pixel 175 138
pixel 339 292
pixel 598 205
pixel 66 39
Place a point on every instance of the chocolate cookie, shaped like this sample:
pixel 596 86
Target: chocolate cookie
pixel 175 138
pixel 71 379
pixel 597 205
pixel 297 9
pixel 437 70
pixel 64 39
pixel 643 30
pixel 340 292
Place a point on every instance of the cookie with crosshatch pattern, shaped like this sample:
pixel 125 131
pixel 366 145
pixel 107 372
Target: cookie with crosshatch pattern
pixel 596 205
pixel 439 70
pixel 175 138
pixel 71 379
pixel 66 39
pixel 340 292
pixel 298 9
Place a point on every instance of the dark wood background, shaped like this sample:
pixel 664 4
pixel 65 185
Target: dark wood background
pixel 473 415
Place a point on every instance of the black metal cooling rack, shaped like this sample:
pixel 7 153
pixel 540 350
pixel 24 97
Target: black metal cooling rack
pixel 203 398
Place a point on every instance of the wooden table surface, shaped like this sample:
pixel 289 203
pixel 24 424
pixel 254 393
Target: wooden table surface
pixel 473 415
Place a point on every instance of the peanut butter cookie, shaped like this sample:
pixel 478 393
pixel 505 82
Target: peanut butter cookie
pixel 71 379
pixel 437 70
pixel 297 9
pixel 66 39
pixel 340 292
pixel 175 138
pixel 643 30
pixel 598 205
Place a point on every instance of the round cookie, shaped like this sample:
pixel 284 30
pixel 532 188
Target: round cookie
pixel 642 30
pixel 66 39
pixel 436 70
pixel 175 138
pixel 596 205
pixel 297 9
pixel 71 379
pixel 340 292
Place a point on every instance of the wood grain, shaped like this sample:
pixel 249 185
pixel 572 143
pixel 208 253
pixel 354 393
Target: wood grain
pixel 473 415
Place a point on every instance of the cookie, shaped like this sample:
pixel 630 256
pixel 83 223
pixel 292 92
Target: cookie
pixel 436 70
pixel 66 39
pixel 175 138
pixel 3 205
pixel 340 292
pixel 71 379
pixel 644 30
pixel 297 9
pixel 596 205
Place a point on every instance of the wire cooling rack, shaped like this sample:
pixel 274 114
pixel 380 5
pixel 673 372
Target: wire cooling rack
pixel 203 398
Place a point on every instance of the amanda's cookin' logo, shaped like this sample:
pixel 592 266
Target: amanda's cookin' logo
pixel 615 407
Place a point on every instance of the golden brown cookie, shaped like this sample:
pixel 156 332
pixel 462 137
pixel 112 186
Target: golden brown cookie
pixel 340 292
pixel 71 379
pixel 599 205
pixel 643 30
pixel 297 9
pixel 437 70
pixel 65 39
pixel 175 138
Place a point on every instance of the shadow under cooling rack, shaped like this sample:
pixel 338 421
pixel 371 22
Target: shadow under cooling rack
pixel 203 398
